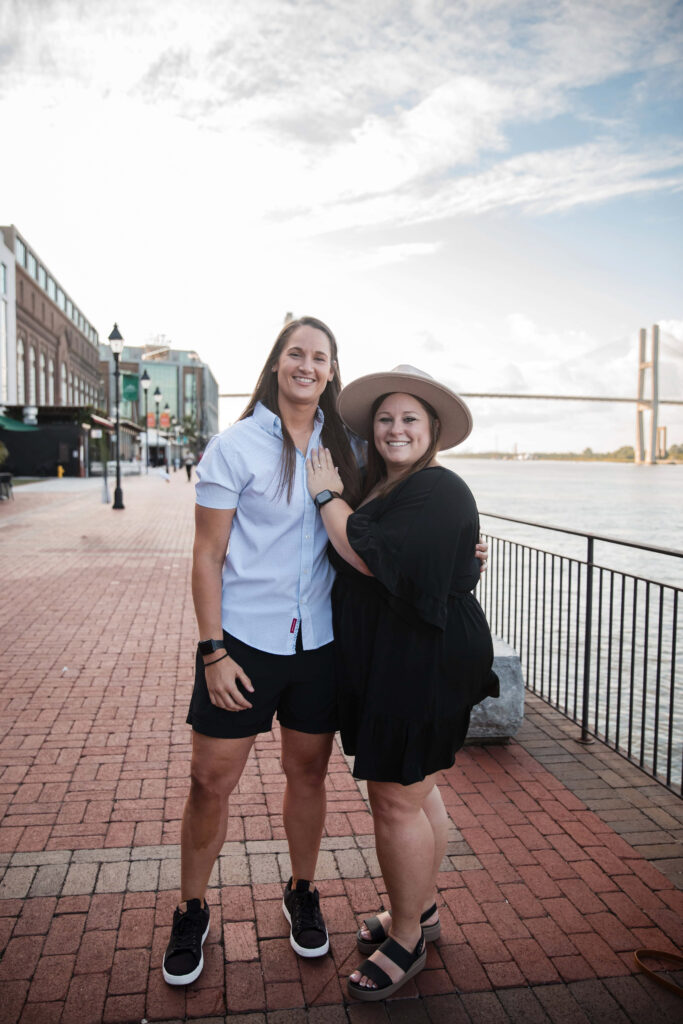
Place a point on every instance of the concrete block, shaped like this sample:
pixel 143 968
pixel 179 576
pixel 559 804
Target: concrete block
pixel 80 879
pixel 16 883
pixel 498 718
pixel 48 880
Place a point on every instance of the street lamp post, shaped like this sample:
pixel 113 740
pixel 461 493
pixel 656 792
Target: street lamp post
pixel 157 402
pixel 167 410
pixel 116 342
pixel 145 381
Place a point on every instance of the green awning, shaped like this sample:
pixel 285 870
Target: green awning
pixel 7 423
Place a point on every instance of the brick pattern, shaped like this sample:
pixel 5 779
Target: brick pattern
pixel 542 901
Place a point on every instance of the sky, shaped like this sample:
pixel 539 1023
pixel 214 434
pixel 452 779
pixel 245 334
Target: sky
pixel 490 190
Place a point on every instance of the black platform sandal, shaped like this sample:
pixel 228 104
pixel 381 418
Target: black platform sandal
pixel 431 932
pixel 410 963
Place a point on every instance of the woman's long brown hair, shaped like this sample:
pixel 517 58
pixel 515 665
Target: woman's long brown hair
pixel 334 434
pixel 377 470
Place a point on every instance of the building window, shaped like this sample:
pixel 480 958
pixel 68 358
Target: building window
pixel 51 383
pixel 63 396
pixel 31 265
pixel 20 251
pixel 42 278
pixel 61 299
pixel 41 380
pixel 51 289
pixel 69 307
pixel 21 373
pixel 190 404
pixel 71 389
pixel 31 375
pixel 3 279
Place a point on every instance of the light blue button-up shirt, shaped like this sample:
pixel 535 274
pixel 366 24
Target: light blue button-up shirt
pixel 276 578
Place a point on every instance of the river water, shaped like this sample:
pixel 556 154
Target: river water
pixel 538 602
pixel 636 503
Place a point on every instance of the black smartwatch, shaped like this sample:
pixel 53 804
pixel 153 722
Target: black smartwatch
pixel 209 646
pixel 325 496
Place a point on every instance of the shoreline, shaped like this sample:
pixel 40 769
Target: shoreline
pixel 553 457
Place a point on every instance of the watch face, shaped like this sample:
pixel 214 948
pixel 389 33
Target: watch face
pixel 209 646
pixel 323 498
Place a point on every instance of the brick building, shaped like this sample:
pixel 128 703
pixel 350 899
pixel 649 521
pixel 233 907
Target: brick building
pixel 53 360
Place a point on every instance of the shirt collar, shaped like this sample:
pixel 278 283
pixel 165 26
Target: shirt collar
pixel 272 424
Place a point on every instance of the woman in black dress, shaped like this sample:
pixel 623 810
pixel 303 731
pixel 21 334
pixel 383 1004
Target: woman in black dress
pixel 414 651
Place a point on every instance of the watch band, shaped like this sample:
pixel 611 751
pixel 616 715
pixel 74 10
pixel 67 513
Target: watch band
pixel 209 646
pixel 324 496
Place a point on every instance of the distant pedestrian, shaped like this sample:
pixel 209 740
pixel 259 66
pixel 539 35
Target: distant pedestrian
pixel 189 463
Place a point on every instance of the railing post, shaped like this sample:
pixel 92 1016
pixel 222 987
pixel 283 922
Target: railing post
pixel 587 638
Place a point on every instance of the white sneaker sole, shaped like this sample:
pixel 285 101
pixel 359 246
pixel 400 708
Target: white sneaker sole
pixel 187 979
pixel 304 950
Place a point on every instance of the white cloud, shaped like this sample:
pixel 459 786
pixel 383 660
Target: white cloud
pixel 386 255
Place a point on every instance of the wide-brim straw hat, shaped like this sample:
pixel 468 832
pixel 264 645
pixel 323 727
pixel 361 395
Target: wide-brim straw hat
pixel 356 400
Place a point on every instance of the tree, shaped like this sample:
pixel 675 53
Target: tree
pixel 193 436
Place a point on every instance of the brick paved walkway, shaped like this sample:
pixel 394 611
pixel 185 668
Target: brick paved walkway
pixel 542 898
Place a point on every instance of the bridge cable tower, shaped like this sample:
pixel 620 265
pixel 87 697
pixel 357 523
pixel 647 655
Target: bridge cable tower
pixel 647 402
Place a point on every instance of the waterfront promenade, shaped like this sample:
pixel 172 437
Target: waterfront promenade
pixel 563 859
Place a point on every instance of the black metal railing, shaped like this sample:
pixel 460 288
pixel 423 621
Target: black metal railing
pixel 600 644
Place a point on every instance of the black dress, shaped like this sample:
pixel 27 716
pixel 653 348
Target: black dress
pixel 414 650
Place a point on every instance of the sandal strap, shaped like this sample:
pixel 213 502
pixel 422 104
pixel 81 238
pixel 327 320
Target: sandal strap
pixel 401 956
pixel 370 969
pixel 427 913
pixel 376 929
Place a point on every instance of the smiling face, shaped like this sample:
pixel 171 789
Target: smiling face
pixel 402 431
pixel 304 366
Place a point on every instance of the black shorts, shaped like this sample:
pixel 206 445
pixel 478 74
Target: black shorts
pixel 300 687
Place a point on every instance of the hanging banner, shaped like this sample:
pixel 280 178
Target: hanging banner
pixel 151 419
pixel 129 391
pixel 165 420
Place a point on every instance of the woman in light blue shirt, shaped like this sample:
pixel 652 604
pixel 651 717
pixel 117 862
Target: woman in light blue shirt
pixel 265 626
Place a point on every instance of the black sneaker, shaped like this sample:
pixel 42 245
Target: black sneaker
pixel 307 931
pixel 184 959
